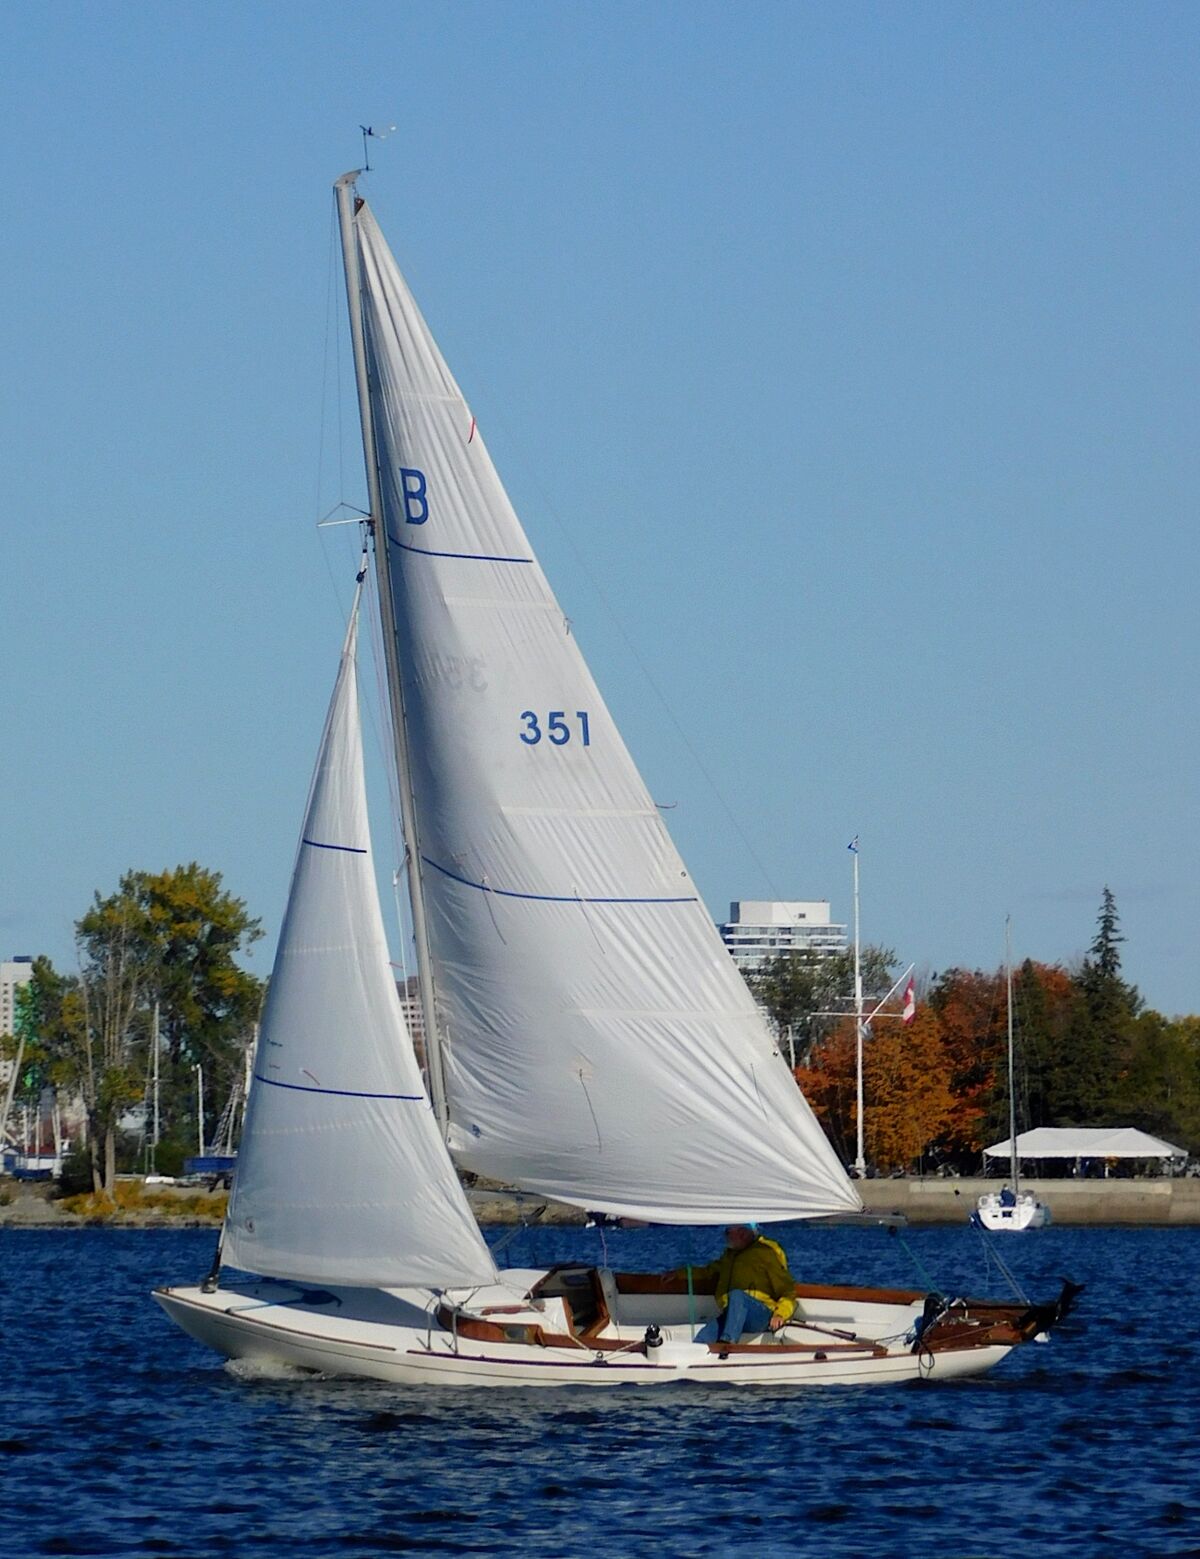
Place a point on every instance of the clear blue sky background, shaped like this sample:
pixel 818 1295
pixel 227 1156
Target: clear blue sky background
pixel 841 361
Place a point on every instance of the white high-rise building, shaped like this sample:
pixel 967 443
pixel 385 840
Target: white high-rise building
pixel 759 930
pixel 14 972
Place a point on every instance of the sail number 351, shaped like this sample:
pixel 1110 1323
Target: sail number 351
pixel 558 729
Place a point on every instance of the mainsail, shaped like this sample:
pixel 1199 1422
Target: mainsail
pixel 342 1174
pixel 598 1043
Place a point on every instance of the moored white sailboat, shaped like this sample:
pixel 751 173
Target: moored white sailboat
pixel 1010 1209
pixel 588 1037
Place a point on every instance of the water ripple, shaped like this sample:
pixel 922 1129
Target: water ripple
pixel 123 1438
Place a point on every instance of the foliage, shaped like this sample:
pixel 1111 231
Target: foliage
pixel 1106 956
pixel 165 940
pixel 795 988
pixel 1086 1053
pixel 130 1198
pixel 1045 999
pixel 76 1177
pixel 905 1083
pixel 828 1081
pixel 909 1103
pixel 24 1047
pixel 1159 1086
pixel 969 1007
pixel 1084 1080
pixel 171 1154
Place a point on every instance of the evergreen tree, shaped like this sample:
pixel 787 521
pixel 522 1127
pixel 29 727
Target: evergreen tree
pixel 1045 999
pixel 1106 956
pixel 1086 1077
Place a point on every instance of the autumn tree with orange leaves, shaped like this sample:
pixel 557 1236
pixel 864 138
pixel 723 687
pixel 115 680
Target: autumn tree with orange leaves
pixel 910 1106
pixel 907 1094
pixel 829 1083
pixel 971 1012
pixel 936 1090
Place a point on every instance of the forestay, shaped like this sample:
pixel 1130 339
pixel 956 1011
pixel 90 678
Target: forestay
pixel 342 1174
pixel 600 1046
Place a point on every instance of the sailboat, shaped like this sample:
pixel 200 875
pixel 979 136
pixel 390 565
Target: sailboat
pixel 1010 1208
pixel 588 1037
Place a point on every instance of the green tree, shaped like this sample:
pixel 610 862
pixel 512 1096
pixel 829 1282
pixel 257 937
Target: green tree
pixel 1084 1078
pixel 208 1004
pixel 108 1030
pixel 23 1049
pixel 795 987
pixel 1106 955
pixel 168 938
pixel 1158 1089
pixel 1045 1003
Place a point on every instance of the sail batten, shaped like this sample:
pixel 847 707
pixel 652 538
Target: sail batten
pixel 598 1044
pixel 342 1174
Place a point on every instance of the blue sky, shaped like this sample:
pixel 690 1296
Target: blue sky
pixel 840 360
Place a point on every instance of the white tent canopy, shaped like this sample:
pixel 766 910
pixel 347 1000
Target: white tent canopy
pixel 1086 1142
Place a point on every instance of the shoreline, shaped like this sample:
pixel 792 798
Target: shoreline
pixel 1156 1202
pixel 31 1206
pixel 1149 1203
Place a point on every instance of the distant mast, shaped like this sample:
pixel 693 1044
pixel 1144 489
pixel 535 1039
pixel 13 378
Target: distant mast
pixel 1014 1161
pixel 860 1162
pixel 408 815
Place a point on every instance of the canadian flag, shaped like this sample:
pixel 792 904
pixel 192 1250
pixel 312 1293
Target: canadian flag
pixel 910 999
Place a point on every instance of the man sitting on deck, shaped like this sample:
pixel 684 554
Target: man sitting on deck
pixel 754 1289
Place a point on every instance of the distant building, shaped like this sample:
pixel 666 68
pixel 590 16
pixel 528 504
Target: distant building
pixel 13 973
pixel 409 992
pixel 759 930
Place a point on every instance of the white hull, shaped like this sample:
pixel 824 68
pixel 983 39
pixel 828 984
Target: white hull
pixel 1026 1213
pixel 396 1336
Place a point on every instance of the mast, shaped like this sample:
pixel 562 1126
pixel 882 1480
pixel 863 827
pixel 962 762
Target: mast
pixel 860 1162
pixel 408 814
pixel 248 1076
pixel 1014 1161
pixel 154 1139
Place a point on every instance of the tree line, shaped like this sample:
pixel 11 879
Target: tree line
pixel 1089 1052
pixel 163 944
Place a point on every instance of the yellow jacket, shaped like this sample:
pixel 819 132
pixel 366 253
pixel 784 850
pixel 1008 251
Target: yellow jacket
pixel 761 1270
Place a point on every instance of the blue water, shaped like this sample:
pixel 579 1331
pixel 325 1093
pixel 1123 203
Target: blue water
pixel 120 1436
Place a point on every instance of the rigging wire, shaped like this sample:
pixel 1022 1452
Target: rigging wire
pixel 329 306
pixel 992 1256
pixel 915 1259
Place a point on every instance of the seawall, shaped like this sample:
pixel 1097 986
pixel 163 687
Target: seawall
pixel 1130 1203
pixel 1111 1202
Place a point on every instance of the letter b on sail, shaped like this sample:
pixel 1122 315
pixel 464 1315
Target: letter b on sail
pixel 414 492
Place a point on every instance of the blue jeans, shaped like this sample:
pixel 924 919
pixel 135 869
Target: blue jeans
pixel 742 1314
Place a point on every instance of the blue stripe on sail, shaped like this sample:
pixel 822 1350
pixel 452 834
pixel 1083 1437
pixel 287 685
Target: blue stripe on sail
pixel 348 849
pixel 340 1093
pixel 549 898
pixel 470 557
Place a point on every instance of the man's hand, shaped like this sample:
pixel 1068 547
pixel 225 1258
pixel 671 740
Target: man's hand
pixel 776 1322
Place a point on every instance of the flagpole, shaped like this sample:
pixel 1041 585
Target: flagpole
pixel 860 1162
